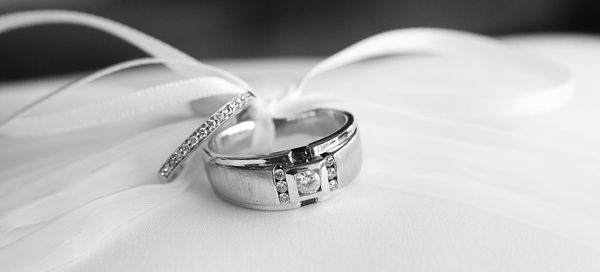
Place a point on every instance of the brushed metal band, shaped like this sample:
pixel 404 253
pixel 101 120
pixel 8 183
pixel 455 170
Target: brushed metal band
pixel 285 178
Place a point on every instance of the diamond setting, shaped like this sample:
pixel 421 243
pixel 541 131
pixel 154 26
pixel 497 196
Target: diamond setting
pixel 331 172
pixel 202 133
pixel 284 198
pixel 220 117
pixel 192 141
pixel 211 124
pixel 279 174
pixel 183 151
pixel 307 181
pixel 333 183
pixel 329 161
pixel 281 185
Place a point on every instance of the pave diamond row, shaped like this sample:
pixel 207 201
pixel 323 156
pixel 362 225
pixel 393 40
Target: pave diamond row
pixel 331 172
pixel 191 143
pixel 281 185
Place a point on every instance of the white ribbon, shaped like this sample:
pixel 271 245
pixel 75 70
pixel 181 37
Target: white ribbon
pixel 111 207
pixel 447 43
pixel 466 47
pixel 23 124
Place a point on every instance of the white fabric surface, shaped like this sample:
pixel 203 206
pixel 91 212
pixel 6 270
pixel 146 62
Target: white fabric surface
pixel 436 192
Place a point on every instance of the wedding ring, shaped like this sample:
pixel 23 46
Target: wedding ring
pixel 290 178
pixel 176 160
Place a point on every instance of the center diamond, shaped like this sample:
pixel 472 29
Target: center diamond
pixel 307 181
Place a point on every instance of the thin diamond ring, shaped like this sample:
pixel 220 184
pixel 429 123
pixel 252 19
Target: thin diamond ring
pixel 176 160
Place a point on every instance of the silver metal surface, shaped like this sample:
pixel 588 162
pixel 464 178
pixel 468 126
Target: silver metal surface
pixel 250 180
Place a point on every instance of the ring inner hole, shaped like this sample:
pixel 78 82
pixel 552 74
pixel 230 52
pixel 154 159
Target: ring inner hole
pixel 289 133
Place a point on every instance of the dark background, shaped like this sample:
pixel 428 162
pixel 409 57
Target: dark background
pixel 211 29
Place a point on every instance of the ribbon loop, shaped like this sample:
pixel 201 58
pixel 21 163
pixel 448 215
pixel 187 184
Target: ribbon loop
pixel 463 46
pixel 162 53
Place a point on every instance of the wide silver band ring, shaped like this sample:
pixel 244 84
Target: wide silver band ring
pixel 176 160
pixel 288 178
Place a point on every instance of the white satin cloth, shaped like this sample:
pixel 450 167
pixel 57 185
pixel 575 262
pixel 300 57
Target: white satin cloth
pixel 480 155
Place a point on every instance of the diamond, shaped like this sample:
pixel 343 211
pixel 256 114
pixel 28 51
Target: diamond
pixel 219 117
pixel 281 186
pixel 329 161
pixel 284 198
pixel 173 161
pixel 226 111
pixel 202 132
pixel 211 124
pixel 178 155
pixel 246 97
pixel 308 182
pixel 331 173
pixel 192 141
pixel 231 107
pixel 279 174
pixel 184 149
pixel 164 171
pixel 333 183
pixel 237 103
